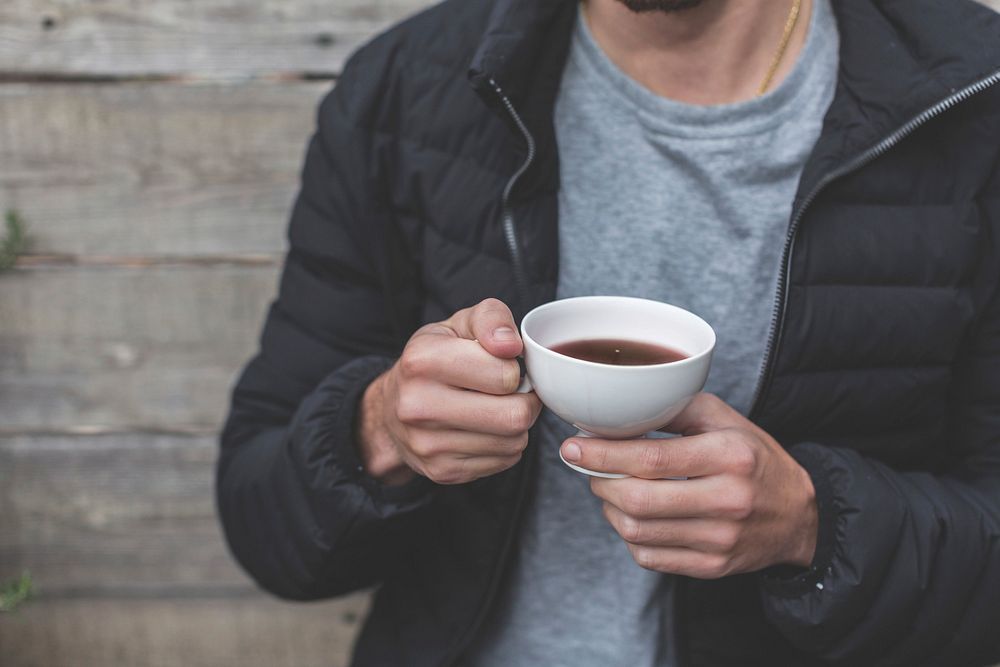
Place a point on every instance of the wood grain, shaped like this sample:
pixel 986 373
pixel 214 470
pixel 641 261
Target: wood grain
pixel 116 515
pixel 147 348
pixel 155 169
pixel 188 183
pixel 209 38
pixel 250 632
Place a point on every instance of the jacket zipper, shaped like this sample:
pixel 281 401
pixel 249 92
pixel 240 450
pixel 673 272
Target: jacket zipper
pixel 873 153
pixel 509 229
pixel 521 280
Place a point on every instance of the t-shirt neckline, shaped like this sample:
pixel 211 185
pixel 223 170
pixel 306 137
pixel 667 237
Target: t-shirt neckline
pixel 663 115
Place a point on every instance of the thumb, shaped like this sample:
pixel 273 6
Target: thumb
pixel 492 324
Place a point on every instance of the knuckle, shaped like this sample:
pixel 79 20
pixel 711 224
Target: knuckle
pixel 644 557
pixel 411 410
pixel 706 566
pixel 630 529
pixel 737 503
pixel 414 362
pixel 433 470
pixel 423 445
pixel 716 567
pixel 743 457
pixel 727 538
pixel 653 459
pixel 445 472
pixel 635 503
pixel 520 443
pixel 456 319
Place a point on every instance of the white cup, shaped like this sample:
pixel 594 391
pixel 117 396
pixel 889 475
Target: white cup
pixel 607 401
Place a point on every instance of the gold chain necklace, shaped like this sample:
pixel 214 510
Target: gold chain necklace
pixel 793 19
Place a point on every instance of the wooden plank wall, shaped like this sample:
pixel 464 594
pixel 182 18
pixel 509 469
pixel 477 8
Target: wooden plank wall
pixel 154 147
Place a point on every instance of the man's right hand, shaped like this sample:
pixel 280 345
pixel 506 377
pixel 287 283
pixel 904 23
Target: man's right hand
pixel 447 408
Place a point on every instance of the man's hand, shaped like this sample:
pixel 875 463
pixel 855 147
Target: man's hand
pixel 746 504
pixel 446 409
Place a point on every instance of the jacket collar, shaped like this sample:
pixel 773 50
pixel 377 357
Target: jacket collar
pixel 519 34
pixel 898 57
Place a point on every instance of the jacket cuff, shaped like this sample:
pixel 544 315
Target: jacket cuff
pixel 790 581
pixel 327 419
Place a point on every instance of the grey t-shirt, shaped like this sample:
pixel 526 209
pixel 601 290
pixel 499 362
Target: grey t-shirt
pixel 664 200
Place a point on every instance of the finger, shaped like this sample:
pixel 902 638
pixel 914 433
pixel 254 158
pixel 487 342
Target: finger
pixel 431 443
pixel 462 470
pixel 654 458
pixel 491 323
pixel 677 560
pixel 667 499
pixel 459 363
pixel 708 535
pixel 706 412
pixel 432 405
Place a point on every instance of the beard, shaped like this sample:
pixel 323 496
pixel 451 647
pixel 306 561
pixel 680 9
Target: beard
pixel 639 6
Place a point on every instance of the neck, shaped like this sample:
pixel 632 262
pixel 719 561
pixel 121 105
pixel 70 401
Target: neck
pixel 715 53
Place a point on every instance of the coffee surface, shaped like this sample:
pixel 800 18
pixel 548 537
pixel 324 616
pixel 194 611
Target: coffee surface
pixel 619 352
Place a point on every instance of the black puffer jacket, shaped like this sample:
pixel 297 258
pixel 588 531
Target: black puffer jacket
pixel 423 194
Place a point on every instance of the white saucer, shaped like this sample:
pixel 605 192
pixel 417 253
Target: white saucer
pixel 592 473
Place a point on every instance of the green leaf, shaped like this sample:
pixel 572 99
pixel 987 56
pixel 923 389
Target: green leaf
pixel 16 592
pixel 14 242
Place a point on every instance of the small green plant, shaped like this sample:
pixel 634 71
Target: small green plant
pixel 16 592
pixel 14 241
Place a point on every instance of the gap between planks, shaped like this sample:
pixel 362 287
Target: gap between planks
pixel 92 430
pixel 51 260
pixel 168 591
pixel 62 78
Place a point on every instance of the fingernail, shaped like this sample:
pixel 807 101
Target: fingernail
pixel 571 451
pixel 504 333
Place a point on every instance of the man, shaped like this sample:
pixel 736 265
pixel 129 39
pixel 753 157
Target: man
pixel 820 181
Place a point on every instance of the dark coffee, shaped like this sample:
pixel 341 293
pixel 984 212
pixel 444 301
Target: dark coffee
pixel 618 352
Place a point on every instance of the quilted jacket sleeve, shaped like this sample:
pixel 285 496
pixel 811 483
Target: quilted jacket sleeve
pixel 298 511
pixel 907 570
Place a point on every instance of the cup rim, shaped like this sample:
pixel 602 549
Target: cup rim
pixel 632 368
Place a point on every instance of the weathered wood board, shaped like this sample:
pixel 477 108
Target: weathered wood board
pixel 114 515
pixel 248 632
pixel 119 530
pixel 156 168
pixel 145 348
pixel 229 38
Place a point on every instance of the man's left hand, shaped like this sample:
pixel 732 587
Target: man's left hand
pixel 745 506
